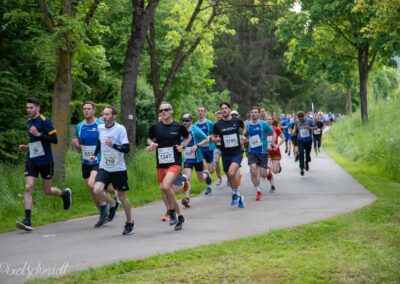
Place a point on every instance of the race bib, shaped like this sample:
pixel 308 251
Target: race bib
pixel 110 159
pixel 188 154
pixel 166 155
pixel 87 151
pixel 231 141
pixel 317 132
pixel 304 133
pixel 270 139
pixel 255 141
pixel 36 149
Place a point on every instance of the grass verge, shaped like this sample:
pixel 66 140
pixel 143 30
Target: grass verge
pixel 361 247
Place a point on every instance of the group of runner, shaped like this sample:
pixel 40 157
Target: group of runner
pixel 103 143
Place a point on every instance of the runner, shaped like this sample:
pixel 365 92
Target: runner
pixel 165 138
pixel 113 144
pixel 207 149
pixel 227 131
pixel 39 159
pixel 293 135
pixel 317 135
pixel 193 157
pixel 286 124
pixel 257 154
pixel 85 141
pixel 303 127
pixel 217 153
pixel 274 153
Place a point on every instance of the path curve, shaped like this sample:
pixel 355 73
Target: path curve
pixel 325 191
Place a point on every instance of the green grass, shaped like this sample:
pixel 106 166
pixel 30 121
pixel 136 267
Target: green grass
pixel 361 247
pixel 142 183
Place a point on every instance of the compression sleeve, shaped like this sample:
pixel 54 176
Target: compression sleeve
pixel 98 148
pixel 49 138
pixel 124 148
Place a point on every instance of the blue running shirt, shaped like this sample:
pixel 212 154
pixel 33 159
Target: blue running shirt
pixel 207 128
pixel 257 134
pixel 197 137
pixel 88 135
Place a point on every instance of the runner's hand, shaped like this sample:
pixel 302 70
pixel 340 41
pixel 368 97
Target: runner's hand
pixel 33 130
pixel 179 148
pixel 75 143
pixel 92 159
pixel 109 141
pixel 23 148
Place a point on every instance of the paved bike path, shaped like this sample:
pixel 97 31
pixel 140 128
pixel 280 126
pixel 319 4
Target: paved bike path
pixel 325 191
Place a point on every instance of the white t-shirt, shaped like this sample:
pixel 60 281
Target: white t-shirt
pixel 111 159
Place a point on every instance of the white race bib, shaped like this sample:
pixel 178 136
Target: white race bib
pixel 87 151
pixel 317 131
pixel 110 159
pixel 188 154
pixel 270 139
pixel 304 133
pixel 36 149
pixel 255 141
pixel 231 141
pixel 166 155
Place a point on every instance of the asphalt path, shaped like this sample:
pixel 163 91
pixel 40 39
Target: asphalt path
pixel 324 191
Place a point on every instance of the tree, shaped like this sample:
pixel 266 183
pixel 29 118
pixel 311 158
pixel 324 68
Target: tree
pixel 141 18
pixel 65 28
pixel 350 25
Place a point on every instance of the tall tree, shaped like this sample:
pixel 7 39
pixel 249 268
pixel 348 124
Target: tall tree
pixel 63 26
pixel 353 25
pixel 141 18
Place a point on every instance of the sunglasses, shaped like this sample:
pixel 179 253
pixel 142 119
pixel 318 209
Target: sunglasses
pixel 186 120
pixel 164 110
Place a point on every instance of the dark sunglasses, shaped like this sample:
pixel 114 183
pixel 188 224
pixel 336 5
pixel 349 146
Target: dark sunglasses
pixel 185 120
pixel 164 110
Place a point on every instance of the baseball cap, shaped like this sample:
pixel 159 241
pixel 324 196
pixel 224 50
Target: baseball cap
pixel 187 116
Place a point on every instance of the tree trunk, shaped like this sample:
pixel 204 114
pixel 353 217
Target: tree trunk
pixel 140 21
pixel 363 70
pixel 349 102
pixel 61 108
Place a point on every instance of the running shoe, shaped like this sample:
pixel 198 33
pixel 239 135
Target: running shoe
pixel 66 196
pixel 208 178
pixel 219 182
pixel 178 225
pixel 259 196
pixel 185 202
pixel 241 201
pixel 208 190
pixel 172 218
pixel 272 190
pixel 111 213
pixel 103 216
pixel 128 229
pixel 288 153
pixel 235 199
pixel 165 217
pixel 286 150
pixel 302 172
pixel 307 167
pixel 24 225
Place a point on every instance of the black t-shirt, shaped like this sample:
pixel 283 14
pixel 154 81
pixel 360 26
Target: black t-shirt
pixel 229 131
pixel 167 136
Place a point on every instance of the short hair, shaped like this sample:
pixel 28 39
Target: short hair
pixel 113 109
pixel 90 103
pixel 255 107
pixel 300 114
pixel 225 103
pixel 275 122
pixel 166 103
pixel 33 100
pixel 201 106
